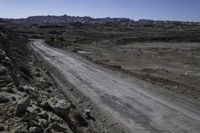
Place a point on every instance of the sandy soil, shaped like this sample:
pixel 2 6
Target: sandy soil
pixel 135 104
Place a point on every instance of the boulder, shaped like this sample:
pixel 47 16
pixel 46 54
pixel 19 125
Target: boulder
pixel 22 106
pixel 60 107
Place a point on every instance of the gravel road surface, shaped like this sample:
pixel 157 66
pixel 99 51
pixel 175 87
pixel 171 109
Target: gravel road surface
pixel 138 105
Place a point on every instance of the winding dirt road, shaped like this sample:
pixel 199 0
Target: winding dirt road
pixel 140 106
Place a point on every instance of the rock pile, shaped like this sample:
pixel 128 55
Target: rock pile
pixel 37 107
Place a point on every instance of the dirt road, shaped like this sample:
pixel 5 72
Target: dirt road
pixel 140 106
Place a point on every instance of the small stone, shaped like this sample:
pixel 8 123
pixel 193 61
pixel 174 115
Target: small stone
pixel 43 115
pixel 36 130
pixel 13 98
pixel 60 128
pixel 43 123
pixel 20 88
pixel 9 85
pixel 2 128
pixel 87 113
pixel 54 118
pixel 22 106
pixel 20 129
pixel 4 99
pixel 34 123
pixel 28 117
pixel 33 109
pixel 3 70
pixel 9 90
pixel 29 89
pixel 37 74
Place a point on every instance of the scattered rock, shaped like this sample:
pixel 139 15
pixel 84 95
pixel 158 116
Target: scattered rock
pixel 36 130
pixel 37 74
pixel 20 88
pixel 2 54
pixel 20 129
pixel 44 115
pixel 3 70
pixel 87 113
pixel 22 106
pixel 4 99
pixel 43 123
pixel 29 89
pixel 60 128
pixel 33 109
pixel 54 118
pixel 34 123
pixel 2 128
pixel 8 89
pixel 60 107
pixel 28 117
pixel 80 120
pixel 4 82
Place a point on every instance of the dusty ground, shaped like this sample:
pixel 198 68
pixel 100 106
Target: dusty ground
pixel 135 104
pixel 164 55
pixel 172 66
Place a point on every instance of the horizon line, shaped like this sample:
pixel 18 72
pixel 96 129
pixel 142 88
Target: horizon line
pixel 134 19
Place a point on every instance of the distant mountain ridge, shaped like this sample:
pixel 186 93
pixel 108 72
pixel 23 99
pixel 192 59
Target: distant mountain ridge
pixel 88 20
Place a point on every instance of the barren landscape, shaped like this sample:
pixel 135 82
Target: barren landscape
pixel 85 75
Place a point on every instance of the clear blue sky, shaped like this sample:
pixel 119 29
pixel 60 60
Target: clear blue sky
pixel 187 10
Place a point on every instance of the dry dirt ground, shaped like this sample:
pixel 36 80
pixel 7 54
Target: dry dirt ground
pixel 132 105
pixel 172 66
pixel 164 55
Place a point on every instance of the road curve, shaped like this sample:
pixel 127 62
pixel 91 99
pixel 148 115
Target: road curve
pixel 140 106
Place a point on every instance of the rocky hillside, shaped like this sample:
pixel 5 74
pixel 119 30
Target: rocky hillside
pixel 30 101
